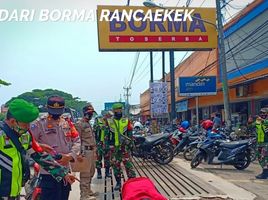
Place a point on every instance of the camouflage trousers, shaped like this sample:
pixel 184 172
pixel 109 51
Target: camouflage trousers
pixel 102 153
pixel 120 154
pixel 262 155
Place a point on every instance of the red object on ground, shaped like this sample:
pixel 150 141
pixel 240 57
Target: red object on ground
pixel 140 188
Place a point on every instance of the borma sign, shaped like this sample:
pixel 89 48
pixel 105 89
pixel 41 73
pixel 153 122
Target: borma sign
pixel 134 28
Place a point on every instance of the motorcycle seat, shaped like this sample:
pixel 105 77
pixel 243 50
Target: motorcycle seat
pixel 154 138
pixel 234 144
pixel 193 138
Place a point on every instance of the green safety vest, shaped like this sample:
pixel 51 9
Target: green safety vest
pixel 12 163
pixel 117 127
pixel 261 127
pixel 100 125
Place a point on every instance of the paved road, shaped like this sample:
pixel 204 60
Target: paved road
pixel 245 179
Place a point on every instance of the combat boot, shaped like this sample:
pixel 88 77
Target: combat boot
pixel 107 172
pixel 118 185
pixel 99 176
pixel 263 175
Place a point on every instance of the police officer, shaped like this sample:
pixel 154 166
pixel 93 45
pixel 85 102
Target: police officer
pixel 261 125
pixel 54 131
pixel 103 151
pixel 120 135
pixel 88 150
pixel 15 140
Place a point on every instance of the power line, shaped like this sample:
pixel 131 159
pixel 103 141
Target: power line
pixel 135 65
pixel 202 3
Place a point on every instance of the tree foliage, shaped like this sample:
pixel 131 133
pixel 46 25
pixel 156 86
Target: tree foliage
pixel 2 116
pixel 2 82
pixel 39 98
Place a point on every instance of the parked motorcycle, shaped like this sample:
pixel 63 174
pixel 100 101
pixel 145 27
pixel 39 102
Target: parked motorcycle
pixel 155 147
pixel 215 152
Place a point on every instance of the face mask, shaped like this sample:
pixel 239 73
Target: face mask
pixel 20 130
pixel 55 117
pixel 89 116
pixel 118 115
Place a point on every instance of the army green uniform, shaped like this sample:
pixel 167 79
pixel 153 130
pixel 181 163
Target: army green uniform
pixel 88 150
pixel 103 152
pixel 120 147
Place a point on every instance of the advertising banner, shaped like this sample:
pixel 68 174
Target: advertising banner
pixel 159 100
pixel 197 86
pixel 134 28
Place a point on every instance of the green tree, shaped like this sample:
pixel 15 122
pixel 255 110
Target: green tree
pixel 2 116
pixel 39 98
pixel 4 83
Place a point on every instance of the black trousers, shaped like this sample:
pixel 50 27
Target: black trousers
pixel 53 190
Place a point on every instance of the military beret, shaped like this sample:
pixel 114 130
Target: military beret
pixel 23 111
pixel 117 106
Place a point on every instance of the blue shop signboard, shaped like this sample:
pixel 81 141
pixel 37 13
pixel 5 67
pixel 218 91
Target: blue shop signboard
pixel 182 106
pixel 197 86
pixel 108 105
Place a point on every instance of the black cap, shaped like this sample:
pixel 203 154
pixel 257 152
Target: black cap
pixel 55 105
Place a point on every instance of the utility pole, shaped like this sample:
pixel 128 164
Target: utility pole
pixel 127 95
pixel 163 66
pixel 222 66
pixel 151 66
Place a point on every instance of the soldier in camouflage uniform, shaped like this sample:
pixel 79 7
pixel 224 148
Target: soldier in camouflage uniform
pixel 261 125
pixel 120 136
pixel 103 151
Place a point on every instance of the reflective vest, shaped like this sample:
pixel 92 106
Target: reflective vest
pixel 10 165
pixel 262 131
pixel 117 127
pixel 100 132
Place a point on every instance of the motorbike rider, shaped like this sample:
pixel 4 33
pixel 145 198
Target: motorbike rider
pixel 261 125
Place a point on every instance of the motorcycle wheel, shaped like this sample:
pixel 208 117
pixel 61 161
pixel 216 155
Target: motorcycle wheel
pixel 244 162
pixel 163 154
pixel 253 155
pixel 189 153
pixel 197 159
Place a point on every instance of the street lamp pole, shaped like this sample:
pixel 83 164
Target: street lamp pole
pixel 222 66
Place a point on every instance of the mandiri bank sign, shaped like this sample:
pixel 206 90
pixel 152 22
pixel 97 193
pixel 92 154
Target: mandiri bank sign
pixel 133 28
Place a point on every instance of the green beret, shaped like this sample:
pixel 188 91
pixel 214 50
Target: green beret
pixel 23 111
pixel 117 106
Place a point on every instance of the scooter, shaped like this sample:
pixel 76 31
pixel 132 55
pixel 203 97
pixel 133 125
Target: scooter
pixel 217 152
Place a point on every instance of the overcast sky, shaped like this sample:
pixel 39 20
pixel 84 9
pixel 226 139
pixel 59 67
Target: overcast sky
pixel 65 56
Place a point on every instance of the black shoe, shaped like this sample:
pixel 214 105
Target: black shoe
pixel 263 175
pixel 107 173
pixel 118 186
pixel 99 176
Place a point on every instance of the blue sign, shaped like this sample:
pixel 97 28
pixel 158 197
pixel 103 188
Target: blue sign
pixel 197 86
pixel 182 106
pixel 108 105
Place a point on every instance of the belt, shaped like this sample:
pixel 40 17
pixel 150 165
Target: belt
pixel 89 148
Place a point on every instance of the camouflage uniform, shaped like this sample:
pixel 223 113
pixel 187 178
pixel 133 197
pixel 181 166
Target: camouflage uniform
pixel 120 147
pixel 103 151
pixel 88 150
